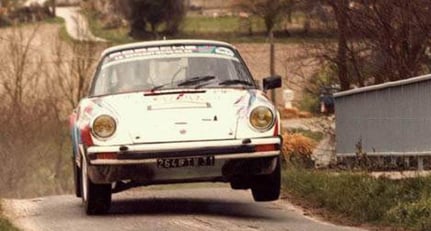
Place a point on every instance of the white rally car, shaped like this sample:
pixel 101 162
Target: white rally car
pixel 174 111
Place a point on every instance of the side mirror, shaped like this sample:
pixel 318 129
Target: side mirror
pixel 271 82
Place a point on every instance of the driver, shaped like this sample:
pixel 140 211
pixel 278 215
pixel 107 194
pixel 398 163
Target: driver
pixel 128 78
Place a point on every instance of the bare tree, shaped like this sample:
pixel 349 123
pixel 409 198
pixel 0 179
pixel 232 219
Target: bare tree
pixel 38 89
pixel 397 34
pixel 73 65
pixel 16 77
pixel 380 40
pixel 340 8
pixel 19 118
pixel 67 82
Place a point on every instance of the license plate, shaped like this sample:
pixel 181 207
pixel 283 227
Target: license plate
pixel 186 162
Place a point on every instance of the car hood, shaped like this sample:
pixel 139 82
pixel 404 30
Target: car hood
pixel 179 115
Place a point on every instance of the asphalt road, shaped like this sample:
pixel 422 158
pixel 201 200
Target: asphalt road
pixel 198 208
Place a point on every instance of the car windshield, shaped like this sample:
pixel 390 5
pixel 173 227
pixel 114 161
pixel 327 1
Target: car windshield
pixel 169 68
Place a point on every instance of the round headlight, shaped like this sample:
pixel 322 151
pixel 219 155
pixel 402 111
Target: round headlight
pixel 262 118
pixel 104 126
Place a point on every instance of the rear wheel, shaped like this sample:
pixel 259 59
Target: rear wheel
pixel 267 187
pixel 95 197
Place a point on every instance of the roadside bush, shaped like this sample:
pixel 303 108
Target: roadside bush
pixel 5 225
pixel 31 13
pixel 35 152
pixel 362 198
pixel 4 21
pixel 297 149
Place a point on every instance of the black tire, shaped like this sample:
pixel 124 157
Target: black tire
pixel 77 178
pixel 267 187
pixel 95 197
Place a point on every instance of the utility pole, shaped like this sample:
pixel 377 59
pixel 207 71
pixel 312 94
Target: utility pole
pixel 272 62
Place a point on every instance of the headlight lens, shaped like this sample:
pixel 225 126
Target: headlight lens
pixel 262 118
pixel 104 126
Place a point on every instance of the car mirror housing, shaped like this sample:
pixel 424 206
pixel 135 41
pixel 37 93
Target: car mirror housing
pixel 271 82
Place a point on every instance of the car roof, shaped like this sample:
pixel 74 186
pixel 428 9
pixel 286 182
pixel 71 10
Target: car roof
pixel 164 43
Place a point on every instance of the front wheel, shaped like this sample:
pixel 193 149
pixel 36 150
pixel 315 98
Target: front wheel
pixel 267 187
pixel 95 197
pixel 77 178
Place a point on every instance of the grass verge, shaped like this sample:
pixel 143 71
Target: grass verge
pixel 363 199
pixel 63 31
pixel 115 35
pixel 5 225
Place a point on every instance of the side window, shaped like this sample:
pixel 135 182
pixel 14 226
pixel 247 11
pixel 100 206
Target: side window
pixel 240 71
pixel 106 81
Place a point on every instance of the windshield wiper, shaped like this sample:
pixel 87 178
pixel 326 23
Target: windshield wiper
pixel 196 80
pixel 157 87
pixel 192 81
pixel 235 81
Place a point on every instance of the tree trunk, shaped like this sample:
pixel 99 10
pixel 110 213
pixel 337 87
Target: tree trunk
pixel 340 8
pixel 54 6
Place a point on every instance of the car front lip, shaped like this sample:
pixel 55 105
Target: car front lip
pixel 150 153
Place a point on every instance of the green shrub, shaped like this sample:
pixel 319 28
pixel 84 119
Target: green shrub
pixel 315 86
pixel 5 225
pixel 414 208
pixel 4 21
pixel 310 102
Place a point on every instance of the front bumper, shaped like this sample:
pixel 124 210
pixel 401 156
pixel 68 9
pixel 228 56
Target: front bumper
pixel 138 162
